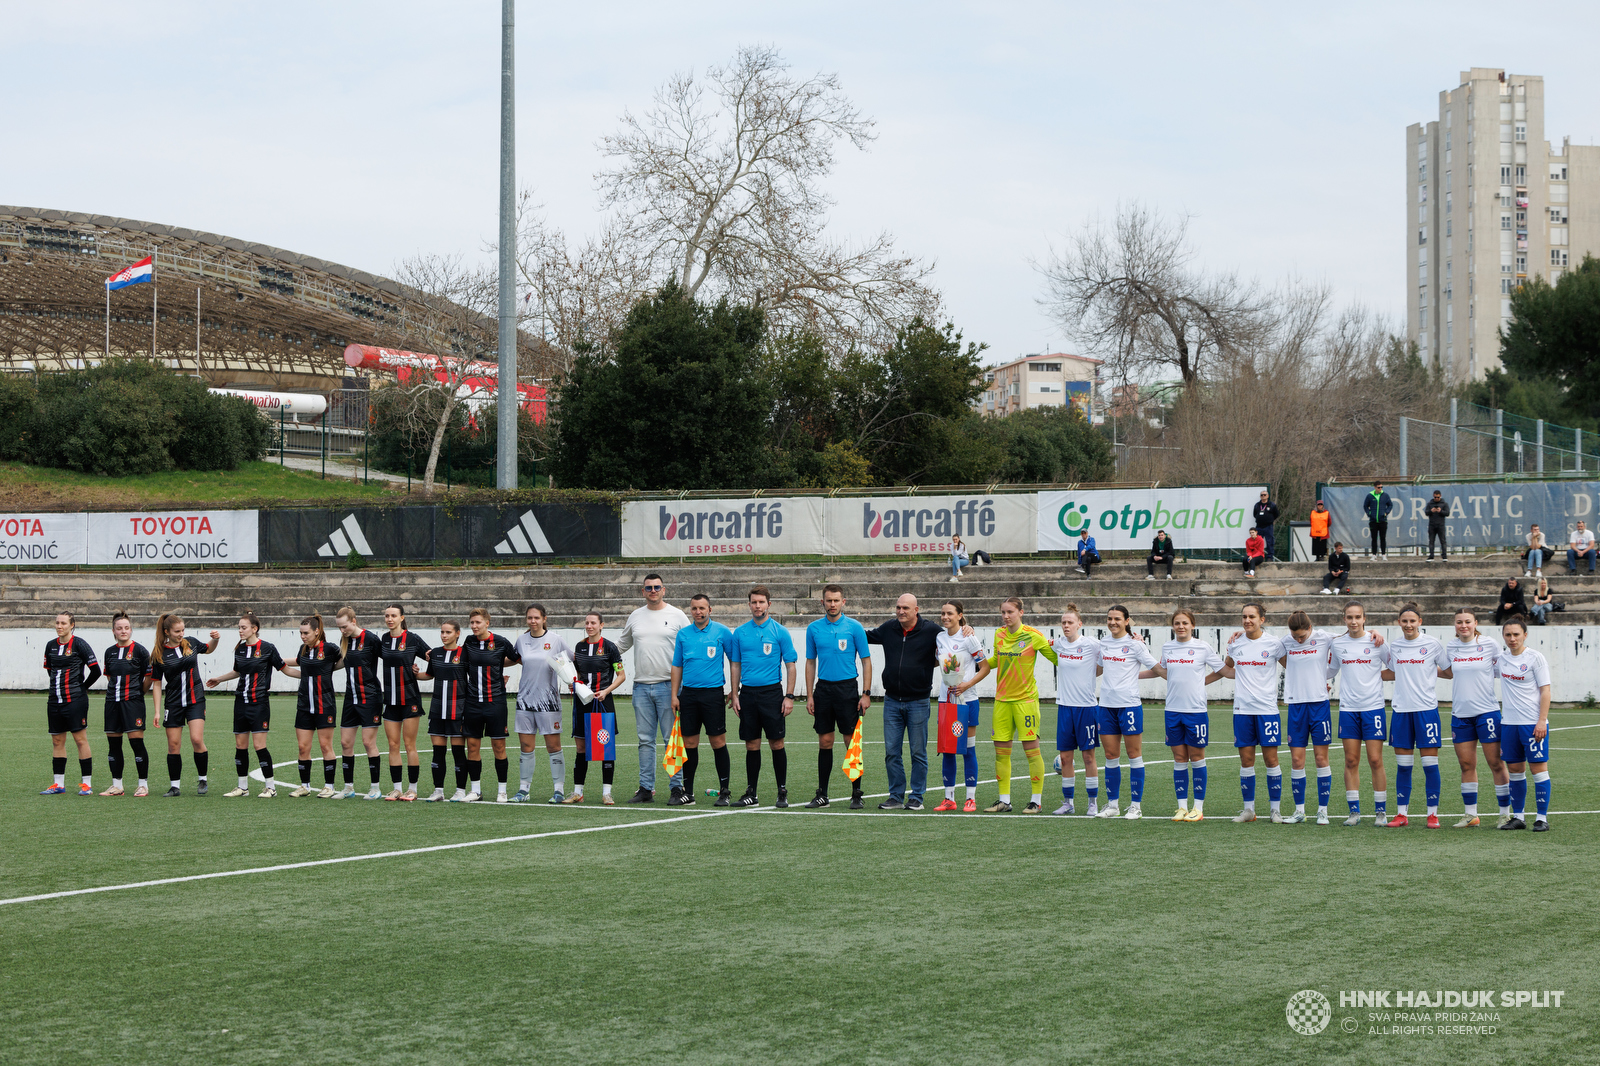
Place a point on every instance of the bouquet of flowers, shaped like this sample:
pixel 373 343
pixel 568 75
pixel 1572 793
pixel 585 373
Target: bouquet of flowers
pixel 584 693
pixel 951 665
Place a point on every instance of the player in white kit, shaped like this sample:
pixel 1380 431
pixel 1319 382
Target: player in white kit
pixel 1416 662
pixel 1077 714
pixel 1525 716
pixel 1305 690
pixel 1188 665
pixel 1252 662
pixel 1122 657
pixel 1475 715
pixel 1358 660
pixel 958 645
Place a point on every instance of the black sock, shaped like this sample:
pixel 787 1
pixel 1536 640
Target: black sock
pixel 824 769
pixel 86 767
pixel 174 767
pixel 349 769
pixel 58 764
pixel 752 769
pixel 780 766
pixel 580 768
pixel 413 771
pixel 502 768
pixel 330 772
pixel 305 773
pixel 375 767
pixel 437 765
pixel 724 763
pixel 394 773
pixel 264 757
pixel 241 761
pixel 141 758
pixel 475 769
pixel 114 757
pixel 459 753
pixel 691 762
pixel 202 761
pixel 608 770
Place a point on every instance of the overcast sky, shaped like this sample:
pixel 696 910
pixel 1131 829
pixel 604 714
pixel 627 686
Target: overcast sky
pixel 365 132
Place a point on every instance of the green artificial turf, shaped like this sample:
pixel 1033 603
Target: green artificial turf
pixel 772 936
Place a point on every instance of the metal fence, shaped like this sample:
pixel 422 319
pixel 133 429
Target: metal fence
pixel 1481 440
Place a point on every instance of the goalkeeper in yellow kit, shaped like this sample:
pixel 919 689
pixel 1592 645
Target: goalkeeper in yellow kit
pixel 1016 703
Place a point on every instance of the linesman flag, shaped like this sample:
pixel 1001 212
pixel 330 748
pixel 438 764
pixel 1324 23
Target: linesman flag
pixel 675 755
pixel 852 756
pixel 143 270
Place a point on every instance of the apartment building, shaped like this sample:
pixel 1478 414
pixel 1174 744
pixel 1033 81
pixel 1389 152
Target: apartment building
pixel 1490 203
pixel 1049 380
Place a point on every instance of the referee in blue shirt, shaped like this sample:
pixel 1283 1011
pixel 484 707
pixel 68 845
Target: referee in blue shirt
pixel 834 645
pixel 762 704
pixel 698 654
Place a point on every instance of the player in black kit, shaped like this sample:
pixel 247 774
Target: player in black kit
pixel 175 667
pixel 127 673
pixel 314 664
pixel 363 701
pixel 402 703
pixel 487 656
pixel 72 667
pixel 449 674
pixel 254 660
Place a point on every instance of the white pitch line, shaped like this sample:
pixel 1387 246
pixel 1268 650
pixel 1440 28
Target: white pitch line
pixel 358 858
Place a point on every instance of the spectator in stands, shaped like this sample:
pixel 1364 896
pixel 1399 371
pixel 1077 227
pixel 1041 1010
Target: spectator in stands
pixel 1087 556
pixel 1376 508
pixel 1337 579
pixel 1255 551
pixel 1265 515
pixel 1536 554
pixel 958 558
pixel 1513 602
pixel 1161 551
pixel 1542 599
pixel 1437 511
pixel 1582 547
pixel 1321 517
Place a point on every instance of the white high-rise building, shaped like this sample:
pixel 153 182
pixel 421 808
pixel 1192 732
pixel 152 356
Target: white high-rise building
pixel 1490 203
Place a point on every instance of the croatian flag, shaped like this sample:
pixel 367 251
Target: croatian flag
pixel 143 270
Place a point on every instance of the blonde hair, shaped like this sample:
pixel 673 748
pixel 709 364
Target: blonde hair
pixel 344 638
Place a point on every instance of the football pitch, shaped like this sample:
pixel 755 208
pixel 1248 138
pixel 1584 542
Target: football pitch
pixel 357 932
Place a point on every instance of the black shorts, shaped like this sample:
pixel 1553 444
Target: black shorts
pixel 836 706
pixel 399 713
pixel 312 720
pixel 68 717
pixel 251 717
pixel 440 726
pixel 176 718
pixel 761 711
pixel 702 707
pixel 124 716
pixel 481 720
pixel 364 715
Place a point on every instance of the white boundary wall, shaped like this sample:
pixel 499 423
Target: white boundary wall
pixel 1573 651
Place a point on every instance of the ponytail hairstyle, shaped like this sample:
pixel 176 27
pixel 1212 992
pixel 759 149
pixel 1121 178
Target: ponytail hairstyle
pixel 1187 614
pixel 315 622
pixel 116 616
pixel 1072 609
pixel 403 627
pixel 249 616
pixel 1413 608
pixel 344 638
pixel 1299 621
pixel 1017 600
pixel 961 612
pixel 164 626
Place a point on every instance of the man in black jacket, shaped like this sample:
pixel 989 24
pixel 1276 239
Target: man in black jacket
pixel 1266 513
pixel 1437 511
pixel 910 655
pixel 1512 602
pixel 1161 551
pixel 1337 579
pixel 1376 507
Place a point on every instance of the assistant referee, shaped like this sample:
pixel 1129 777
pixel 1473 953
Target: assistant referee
pixel 834 644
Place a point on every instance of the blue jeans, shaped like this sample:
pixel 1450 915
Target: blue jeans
pixel 652 711
pixel 902 717
pixel 956 564
pixel 1573 557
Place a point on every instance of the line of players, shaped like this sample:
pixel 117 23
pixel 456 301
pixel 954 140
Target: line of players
pixel 1514 739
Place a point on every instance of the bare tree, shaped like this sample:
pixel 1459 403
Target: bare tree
pixel 1131 294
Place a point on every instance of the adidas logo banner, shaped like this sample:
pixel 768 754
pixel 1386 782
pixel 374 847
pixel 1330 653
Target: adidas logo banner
pixel 529 531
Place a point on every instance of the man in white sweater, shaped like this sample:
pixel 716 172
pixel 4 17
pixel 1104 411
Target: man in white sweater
pixel 651 632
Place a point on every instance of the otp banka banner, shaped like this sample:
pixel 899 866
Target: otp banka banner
pixel 1122 519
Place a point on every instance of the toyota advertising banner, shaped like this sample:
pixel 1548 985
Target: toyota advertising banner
pixel 171 538
pixel 1482 514
pixel 43 539
pixel 1127 519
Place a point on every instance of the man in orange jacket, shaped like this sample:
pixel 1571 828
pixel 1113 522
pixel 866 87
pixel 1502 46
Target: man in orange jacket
pixel 1320 517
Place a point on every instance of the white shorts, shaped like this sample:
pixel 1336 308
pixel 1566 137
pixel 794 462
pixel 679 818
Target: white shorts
pixel 544 723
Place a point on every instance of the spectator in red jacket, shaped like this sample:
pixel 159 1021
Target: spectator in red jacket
pixel 1255 551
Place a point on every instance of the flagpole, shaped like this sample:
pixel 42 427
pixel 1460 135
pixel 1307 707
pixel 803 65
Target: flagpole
pixel 155 304
pixel 197 329
pixel 108 320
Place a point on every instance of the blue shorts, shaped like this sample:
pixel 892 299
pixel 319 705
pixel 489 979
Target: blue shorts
pixel 1479 729
pixel 1415 729
pixel 1518 746
pixel 1360 725
pixel 1252 730
pixel 1077 728
pixel 1310 721
pixel 1191 729
pixel 1122 721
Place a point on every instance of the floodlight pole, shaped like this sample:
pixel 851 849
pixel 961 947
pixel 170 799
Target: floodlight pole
pixel 506 452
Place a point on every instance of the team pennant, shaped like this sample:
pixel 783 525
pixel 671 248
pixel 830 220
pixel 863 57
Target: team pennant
pixel 852 757
pixel 675 755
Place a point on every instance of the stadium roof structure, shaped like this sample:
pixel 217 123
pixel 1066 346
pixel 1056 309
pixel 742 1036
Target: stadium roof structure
pixel 267 316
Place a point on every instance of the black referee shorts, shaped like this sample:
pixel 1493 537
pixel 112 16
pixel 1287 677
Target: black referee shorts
pixel 761 711
pixel 836 707
pixel 702 707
